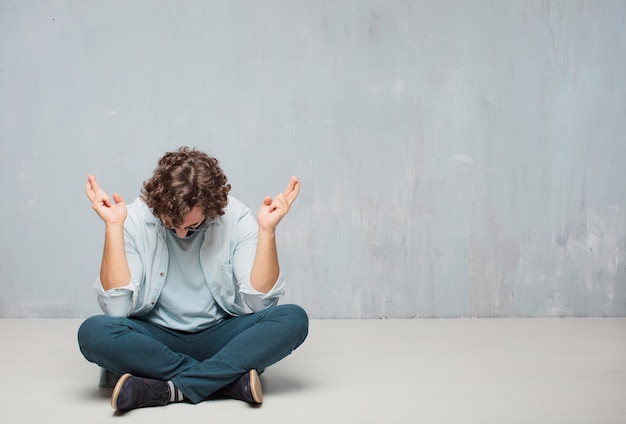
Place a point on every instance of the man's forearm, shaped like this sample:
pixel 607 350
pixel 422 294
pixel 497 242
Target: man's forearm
pixel 265 269
pixel 114 271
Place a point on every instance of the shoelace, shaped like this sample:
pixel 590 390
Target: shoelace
pixel 160 395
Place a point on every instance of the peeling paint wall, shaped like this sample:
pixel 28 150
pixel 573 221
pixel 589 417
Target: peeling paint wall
pixel 457 158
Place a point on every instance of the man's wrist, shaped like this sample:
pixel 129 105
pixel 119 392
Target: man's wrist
pixel 114 226
pixel 267 231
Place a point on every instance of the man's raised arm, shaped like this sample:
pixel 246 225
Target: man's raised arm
pixel 114 271
pixel 265 269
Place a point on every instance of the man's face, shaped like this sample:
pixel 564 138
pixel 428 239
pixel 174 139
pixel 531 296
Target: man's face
pixel 193 219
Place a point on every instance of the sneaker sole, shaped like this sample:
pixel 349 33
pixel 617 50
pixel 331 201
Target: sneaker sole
pixel 255 387
pixel 118 388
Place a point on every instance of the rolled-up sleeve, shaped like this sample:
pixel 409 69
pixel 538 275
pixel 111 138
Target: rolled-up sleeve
pixel 257 300
pixel 117 302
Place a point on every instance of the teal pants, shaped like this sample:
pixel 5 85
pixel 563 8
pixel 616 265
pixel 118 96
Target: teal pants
pixel 200 363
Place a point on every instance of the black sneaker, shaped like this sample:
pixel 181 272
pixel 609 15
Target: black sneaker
pixel 246 388
pixel 136 392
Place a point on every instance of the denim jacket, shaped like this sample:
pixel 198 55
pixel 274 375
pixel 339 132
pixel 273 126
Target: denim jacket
pixel 226 258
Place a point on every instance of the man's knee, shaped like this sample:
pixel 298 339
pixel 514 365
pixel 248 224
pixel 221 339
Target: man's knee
pixel 298 321
pixel 87 333
pixel 93 333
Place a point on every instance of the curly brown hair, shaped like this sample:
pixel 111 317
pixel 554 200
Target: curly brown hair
pixel 182 180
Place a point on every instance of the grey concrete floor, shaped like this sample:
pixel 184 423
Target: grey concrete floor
pixel 358 371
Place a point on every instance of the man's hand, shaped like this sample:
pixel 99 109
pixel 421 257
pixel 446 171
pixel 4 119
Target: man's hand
pixel 273 211
pixel 110 212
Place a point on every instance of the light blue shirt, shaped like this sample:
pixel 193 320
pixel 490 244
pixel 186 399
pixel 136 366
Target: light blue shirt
pixel 186 303
pixel 226 257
